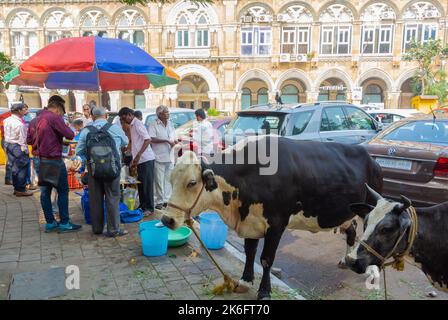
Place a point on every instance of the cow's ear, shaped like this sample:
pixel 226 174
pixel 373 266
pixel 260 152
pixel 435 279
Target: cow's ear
pixel 361 209
pixel 208 177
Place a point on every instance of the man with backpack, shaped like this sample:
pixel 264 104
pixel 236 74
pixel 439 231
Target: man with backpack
pixel 100 143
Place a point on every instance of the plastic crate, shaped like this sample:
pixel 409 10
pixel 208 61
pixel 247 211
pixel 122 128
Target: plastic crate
pixel 73 183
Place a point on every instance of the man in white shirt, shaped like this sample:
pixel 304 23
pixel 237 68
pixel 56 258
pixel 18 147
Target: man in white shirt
pixel 203 133
pixel 163 139
pixel 17 148
pixel 143 159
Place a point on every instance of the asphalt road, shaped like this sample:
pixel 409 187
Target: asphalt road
pixel 309 265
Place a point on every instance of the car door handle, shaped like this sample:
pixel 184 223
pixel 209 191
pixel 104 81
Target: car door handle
pixel 363 138
pixel 330 139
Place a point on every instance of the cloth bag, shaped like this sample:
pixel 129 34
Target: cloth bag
pixel 49 174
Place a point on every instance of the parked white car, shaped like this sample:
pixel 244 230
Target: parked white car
pixel 388 116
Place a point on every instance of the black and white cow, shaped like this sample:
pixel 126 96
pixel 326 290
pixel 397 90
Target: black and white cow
pixel 312 188
pixel 383 225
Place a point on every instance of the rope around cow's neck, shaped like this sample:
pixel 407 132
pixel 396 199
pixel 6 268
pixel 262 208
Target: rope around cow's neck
pixel 229 283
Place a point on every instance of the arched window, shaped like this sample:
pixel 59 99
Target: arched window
pixel 23 35
pixel 377 29
pixel 290 94
pixel 57 26
pixel 373 94
pixel 262 96
pixel 130 27
pixel 256 32
pixel 246 98
pixel 94 23
pixel 336 30
pixel 421 23
pixel 296 30
pixel 193 27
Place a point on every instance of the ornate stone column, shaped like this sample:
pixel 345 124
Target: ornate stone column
pixel 11 94
pixel 115 99
pixel 44 96
pixel 80 98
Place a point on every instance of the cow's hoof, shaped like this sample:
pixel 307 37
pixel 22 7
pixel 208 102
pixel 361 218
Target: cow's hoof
pixel 243 286
pixel 264 295
pixel 342 264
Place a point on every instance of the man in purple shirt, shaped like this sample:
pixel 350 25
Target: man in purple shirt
pixel 50 131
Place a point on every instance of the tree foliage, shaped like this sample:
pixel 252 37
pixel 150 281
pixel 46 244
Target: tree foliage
pixel 6 65
pixel 428 79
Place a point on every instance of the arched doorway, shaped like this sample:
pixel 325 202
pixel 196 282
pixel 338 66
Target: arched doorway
pixel 374 91
pixel 373 94
pixel 255 91
pixel 192 93
pixel 333 89
pixel 293 91
pixel 407 93
pixel 30 96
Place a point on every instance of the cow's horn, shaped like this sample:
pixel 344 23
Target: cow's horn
pixel 406 202
pixel 375 194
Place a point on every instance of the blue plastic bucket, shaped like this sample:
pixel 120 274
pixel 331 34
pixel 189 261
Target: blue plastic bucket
pixel 154 239
pixel 213 230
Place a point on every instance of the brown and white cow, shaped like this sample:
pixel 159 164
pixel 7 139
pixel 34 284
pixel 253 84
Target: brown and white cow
pixel 312 188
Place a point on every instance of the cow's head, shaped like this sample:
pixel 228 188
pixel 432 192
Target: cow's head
pixel 192 182
pixel 383 225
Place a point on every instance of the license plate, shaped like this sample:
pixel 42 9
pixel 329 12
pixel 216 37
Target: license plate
pixel 394 164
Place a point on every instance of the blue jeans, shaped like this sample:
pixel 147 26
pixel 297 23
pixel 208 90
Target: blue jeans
pixel 8 173
pixel 19 161
pixel 62 188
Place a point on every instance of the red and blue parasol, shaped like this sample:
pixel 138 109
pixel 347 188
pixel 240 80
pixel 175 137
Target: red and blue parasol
pixel 92 64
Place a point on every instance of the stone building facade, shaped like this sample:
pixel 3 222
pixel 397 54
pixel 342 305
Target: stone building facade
pixel 234 54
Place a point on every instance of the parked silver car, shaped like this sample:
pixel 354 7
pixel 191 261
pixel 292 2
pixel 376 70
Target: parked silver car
pixel 322 121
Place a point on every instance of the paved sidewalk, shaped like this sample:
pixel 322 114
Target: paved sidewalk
pixel 109 268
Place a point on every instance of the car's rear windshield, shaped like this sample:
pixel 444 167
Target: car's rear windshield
pixel 424 131
pixel 259 123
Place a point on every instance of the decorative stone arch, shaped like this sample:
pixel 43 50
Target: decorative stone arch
pixel 84 11
pixel 300 3
pixel 46 15
pixel 403 77
pixel 387 2
pixel 255 74
pixel 205 73
pixel 243 10
pixel 379 74
pixel 347 4
pixel 14 12
pixel 436 3
pixel 185 5
pixel 333 73
pixel 293 74
pixel 117 14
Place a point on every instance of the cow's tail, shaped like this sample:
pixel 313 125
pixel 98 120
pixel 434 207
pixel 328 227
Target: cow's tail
pixel 374 180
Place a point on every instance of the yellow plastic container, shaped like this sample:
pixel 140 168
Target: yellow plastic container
pixel 2 154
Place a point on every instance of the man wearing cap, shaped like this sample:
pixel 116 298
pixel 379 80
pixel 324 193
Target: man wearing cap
pixel 50 131
pixel 17 148
pixel 100 189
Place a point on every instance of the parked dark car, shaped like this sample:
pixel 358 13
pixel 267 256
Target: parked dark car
pixel 322 121
pixel 413 153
